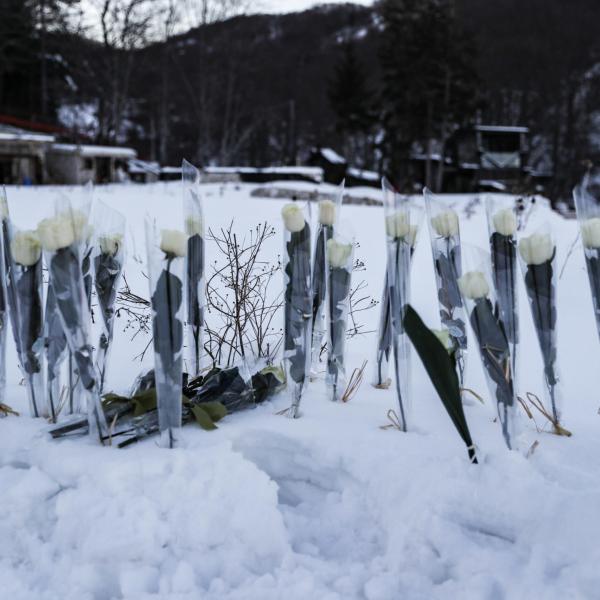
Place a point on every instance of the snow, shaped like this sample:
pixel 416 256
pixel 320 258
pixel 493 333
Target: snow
pixel 10 133
pixel 367 175
pixel 328 506
pixel 330 155
pixel 85 150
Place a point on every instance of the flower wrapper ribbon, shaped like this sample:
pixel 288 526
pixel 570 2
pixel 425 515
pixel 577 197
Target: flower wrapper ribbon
pixel 329 212
pixel 538 261
pixel 195 265
pixel 166 264
pixel 399 247
pixel 108 264
pixel 381 377
pixel 63 239
pixel 492 342
pixel 502 227
pixel 298 302
pixel 340 260
pixel 444 232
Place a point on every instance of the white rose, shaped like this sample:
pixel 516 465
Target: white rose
pixel 412 235
pixel 55 233
pixel 397 225
pixel 110 244
pixel 445 338
pixel 293 218
pixel 536 249
pixel 590 232
pixel 173 241
pixel 78 220
pixel 3 207
pixel 445 224
pixel 194 225
pixel 505 221
pixel 327 210
pixel 338 253
pixel 474 285
pixel 25 248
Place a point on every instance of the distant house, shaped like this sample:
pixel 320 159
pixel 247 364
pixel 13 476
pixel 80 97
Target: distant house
pixel 487 157
pixel 361 178
pixel 334 166
pixel 170 174
pixel 143 171
pixel 78 164
pixel 261 175
pixel 23 155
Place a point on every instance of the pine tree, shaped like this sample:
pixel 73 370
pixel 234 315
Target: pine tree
pixel 351 100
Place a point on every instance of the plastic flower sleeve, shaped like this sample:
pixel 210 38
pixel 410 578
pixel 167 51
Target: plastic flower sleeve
pixel 494 349
pixel 55 343
pixel 194 228
pixel 587 204
pixel 26 257
pixel 444 232
pixel 502 227
pixel 166 265
pixel 340 253
pixel 4 316
pixel 381 377
pixel 108 261
pixel 298 301
pixel 537 256
pixel 399 247
pixel 63 239
pixel 329 214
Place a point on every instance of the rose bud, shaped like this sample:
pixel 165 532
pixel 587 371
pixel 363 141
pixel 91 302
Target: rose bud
pixel 25 248
pixel 293 218
pixel 327 210
pixel 536 249
pixel 110 244
pixel 55 233
pixel 173 242
pixel 590 232
pixel 338 253
pixel 445 224
pixel 397 225
pixel 505 222
pixel 474 285
pixel 194 226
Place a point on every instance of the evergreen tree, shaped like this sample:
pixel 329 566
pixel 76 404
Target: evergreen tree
pixel 429 84
pixel 351 100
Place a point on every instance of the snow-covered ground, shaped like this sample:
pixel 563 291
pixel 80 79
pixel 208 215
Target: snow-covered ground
pixel 329 506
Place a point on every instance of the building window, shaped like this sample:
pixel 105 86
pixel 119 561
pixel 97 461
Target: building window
pixel 88 164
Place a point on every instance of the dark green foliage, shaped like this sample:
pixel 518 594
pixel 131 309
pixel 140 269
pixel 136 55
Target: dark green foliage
pixel 319 274
pixel 31 315
pixel 504 261
pixel 107 271
pixel 339 290
pixel 441 368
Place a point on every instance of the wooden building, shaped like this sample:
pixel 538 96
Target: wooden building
pixel 23 156
pixel 78 164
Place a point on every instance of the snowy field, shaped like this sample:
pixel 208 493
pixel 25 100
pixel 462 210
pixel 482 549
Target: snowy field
pixel 326 507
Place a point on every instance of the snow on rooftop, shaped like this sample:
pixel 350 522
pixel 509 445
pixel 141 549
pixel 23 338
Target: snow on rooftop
pixel 10 133
pixel 502 128
pixel 330 155
pixel 136 165
pixel 359 174
pixel 85 150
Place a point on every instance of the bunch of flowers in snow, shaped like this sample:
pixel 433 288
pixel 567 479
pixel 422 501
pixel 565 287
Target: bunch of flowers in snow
pixel 339 257
pixel 26 269
pixel 493 347
pixel 194 228
pixel 399 244
pixel 444 232
pixel 64 239
pixel 538 256
pixel 108 265
pixel 166 262
pixel 298 301
pixel 329 212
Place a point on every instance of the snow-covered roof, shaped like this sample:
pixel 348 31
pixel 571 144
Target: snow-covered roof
pixel 502 128
pixel 359 174
pixel 10 133
pixel 85 150
pixel 135 165
pixel 330 155
pixel 490 183
pixel 175 170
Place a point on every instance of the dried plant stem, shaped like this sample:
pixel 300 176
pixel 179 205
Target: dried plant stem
pixel 534 401
pixel 354 383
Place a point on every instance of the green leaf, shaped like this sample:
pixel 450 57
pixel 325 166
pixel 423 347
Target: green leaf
pixel 441 368
pixel 144 402
pixel 215 410
pixel 203 418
